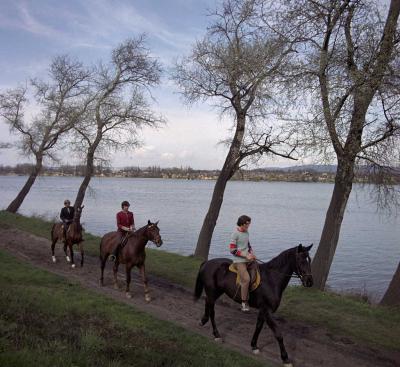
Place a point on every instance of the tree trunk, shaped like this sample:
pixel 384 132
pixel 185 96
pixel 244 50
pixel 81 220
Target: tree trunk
pixel 17 202
pixel 229 168
pixel 323 258
pixel 80 196
pixel 392 295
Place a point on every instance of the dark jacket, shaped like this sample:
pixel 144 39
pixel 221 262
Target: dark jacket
pixel 67 214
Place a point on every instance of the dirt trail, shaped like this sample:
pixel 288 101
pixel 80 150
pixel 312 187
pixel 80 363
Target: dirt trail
pixel 307 346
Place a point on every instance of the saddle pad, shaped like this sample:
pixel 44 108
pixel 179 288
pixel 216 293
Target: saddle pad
pixel 253 284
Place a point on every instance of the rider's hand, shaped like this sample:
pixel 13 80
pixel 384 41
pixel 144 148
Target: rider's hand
pixel 250 257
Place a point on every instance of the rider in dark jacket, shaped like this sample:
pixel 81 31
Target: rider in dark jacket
pixel 67 216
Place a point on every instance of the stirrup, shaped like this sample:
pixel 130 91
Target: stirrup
pixel 112 257
pixel 245 307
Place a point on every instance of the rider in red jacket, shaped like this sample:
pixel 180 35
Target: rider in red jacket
pixel 126 225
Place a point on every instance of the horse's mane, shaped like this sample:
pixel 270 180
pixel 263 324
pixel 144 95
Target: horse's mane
pixel 280 260
pixel 139 231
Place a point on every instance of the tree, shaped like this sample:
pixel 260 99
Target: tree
pixel 59 110
pixel 118 107
pixel 349 75
pixel 392 294
pixel 236 64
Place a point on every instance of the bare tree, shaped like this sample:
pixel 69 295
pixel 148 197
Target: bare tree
pixel 118 106
pixel 59 110
pixel 235 65
pixel 392 294
pixel 348 72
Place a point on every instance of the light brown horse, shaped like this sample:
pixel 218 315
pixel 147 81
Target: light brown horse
pixel 72 236
pixel 132 254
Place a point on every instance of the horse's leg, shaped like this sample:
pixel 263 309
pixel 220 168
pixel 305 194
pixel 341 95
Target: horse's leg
pixel 115 271
pixel 211 304
pixel 144 279
pixel 128 269
pixel 53 245
pixel 259 325
pixel 278 336
pixel 82 252
pixel 206 315
pixel 65 252
pixel 71 251
pixel 103 260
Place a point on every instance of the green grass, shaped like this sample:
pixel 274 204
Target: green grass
pixel 342 315
pixel 47 320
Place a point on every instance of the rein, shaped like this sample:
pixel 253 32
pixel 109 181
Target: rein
pixel 295 275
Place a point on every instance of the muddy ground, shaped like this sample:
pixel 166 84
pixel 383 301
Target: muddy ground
pixel 307 346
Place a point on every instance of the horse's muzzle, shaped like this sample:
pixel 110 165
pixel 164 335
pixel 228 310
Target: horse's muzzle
pixel 158 242
pixel 307 281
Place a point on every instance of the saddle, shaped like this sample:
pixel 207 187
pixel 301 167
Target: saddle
pixel 254 272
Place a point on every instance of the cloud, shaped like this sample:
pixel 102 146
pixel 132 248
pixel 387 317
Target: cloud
pixel 167 156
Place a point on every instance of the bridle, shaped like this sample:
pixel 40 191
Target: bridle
pixel 297 273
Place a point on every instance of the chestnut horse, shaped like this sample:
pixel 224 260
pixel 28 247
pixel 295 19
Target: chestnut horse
pixel 216 279
pixel 132 254
pixel 72 236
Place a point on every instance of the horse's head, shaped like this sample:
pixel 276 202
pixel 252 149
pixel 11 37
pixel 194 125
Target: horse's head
pixel 303 265
pixel 153 233
pixel 78 212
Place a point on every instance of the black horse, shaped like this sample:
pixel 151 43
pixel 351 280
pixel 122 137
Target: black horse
pixel 216 279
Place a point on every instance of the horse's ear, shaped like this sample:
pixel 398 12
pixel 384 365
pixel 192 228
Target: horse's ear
pixel 308 248
pixel 300 248
pixel 148 222
pixel 156 223
pixel 82 207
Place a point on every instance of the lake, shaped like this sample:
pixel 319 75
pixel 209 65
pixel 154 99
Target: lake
pixel 283 214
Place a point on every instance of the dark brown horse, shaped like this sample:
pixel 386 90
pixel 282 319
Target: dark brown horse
pixel 215 278
pixel 73 236
pixel 132 254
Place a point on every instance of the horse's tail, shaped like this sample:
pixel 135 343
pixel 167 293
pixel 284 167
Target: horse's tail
pixel 198 290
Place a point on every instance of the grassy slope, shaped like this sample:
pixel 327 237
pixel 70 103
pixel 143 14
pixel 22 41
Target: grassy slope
pixel 47 320
pixel 341 315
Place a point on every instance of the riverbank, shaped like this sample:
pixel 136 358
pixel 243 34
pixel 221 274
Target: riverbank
pixel 343 316
pixel 49 320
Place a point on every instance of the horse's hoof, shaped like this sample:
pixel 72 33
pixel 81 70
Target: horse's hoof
pixel 218 340
pixel 128 295
pixel 147 298
pixel 54 259
pixel 68 259
pixel 287 365
pixel 201 323
pixel 73 266
pixel 256 351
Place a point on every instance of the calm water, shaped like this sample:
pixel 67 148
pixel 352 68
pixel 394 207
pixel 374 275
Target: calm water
pixel 283 215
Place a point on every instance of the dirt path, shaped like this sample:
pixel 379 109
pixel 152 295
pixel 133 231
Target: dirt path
pixel 307 346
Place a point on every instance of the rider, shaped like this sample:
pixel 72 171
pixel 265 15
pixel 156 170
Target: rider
pixel 126 225
pixel 242 256
pixel 67 216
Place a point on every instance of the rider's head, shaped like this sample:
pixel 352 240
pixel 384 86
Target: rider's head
pixel 125 204
pixel 67 202
pixel 244 221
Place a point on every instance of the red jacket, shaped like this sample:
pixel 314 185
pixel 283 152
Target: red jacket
pixel 125 220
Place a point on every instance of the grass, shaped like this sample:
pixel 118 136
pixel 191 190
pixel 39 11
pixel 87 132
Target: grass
pixel 47 320
pixel 342 315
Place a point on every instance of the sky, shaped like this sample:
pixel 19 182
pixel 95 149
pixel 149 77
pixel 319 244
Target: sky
pixel 33 32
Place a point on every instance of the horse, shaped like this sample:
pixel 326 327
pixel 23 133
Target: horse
pixel 216 279
pixel 132 254
pixel 72 236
